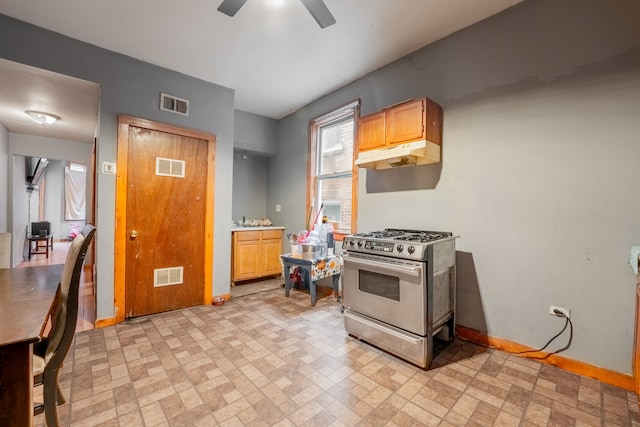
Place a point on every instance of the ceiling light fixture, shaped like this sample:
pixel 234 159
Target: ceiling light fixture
pixel 41 117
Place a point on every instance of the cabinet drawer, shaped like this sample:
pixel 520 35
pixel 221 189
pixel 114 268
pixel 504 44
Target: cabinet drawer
pixel 247 235
pixel 271 234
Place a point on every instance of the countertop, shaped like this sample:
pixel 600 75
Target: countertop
pixel 251 228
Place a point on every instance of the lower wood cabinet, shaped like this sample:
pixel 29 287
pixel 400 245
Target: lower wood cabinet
pixel 256 253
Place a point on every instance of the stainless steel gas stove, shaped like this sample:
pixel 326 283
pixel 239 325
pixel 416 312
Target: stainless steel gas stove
pixel 399 291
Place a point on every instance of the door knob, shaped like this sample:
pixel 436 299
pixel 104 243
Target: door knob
pixel 133 234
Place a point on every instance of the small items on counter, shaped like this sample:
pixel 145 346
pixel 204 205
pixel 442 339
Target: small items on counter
pixel 321 235
pixel 330 244
pixel 262 222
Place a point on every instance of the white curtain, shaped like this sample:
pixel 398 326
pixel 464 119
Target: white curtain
pixel 75 194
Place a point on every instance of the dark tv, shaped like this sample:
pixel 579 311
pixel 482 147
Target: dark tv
pixel 34 170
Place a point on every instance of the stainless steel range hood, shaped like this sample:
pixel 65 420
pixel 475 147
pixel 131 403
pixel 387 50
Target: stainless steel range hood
pixel 411 153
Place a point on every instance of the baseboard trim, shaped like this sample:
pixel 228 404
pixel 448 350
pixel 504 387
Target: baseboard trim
pixel 110 321
pixel 107 321
pixel 607 376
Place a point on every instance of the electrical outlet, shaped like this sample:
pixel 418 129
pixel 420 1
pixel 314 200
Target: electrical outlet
pixel 565 311
pixel 278 208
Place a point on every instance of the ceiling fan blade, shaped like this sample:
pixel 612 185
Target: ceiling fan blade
pixel 231 7
pixel 320 12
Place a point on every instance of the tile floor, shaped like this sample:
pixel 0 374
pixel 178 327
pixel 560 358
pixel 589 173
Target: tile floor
pixel 248 288
pixel 267 360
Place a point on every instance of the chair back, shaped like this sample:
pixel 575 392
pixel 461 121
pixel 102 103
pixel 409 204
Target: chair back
pixel 65 318
pixel 37 227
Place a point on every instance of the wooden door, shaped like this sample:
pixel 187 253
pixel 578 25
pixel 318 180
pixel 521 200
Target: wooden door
pixel 165 221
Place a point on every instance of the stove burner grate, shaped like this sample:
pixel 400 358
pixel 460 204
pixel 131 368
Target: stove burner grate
pixel 386 234
pixel 423 236
pixel 406 235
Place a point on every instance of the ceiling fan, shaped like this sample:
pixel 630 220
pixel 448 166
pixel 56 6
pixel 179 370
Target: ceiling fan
pixel 316 8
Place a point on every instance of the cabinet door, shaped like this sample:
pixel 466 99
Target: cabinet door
pixel 371 131
pixel 271 257
pixel 246 259
pixel 405 122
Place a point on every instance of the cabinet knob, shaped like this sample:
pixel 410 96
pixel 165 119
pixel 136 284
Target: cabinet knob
pixel 133 234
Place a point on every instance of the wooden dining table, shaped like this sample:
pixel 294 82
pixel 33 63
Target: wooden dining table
pixel 26 296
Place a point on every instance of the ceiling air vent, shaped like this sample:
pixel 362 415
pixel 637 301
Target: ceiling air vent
pixel 174 104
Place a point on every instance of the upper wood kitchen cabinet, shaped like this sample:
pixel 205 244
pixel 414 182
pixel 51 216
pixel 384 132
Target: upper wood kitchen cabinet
pixel 414 120
pixel 371 131
pixel 405 122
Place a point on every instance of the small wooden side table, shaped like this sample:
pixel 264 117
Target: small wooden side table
pixel 314 270
pixel 36 245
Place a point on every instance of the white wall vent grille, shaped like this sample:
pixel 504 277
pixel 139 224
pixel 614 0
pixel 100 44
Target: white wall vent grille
pixel 170 167
pixel 174 104
pixel 167 276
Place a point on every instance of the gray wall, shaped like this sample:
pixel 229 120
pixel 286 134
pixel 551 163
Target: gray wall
pixel 54 197
pixel 4 179
pixel 249 186
pixel 255 136
pixel 24 208
pixel 255 133
pixel 132 87
pixel 539 171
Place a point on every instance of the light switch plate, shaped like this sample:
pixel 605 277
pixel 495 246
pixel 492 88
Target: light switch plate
pixel 109 168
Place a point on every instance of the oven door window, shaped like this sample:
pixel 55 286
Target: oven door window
pixel 379 284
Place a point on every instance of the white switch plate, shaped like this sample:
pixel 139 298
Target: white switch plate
pixel 109 168
pixel 278 208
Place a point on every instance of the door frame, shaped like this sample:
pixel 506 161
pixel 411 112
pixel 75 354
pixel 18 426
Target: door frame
pixel 124 123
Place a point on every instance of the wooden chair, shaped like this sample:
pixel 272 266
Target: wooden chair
pixel 51 351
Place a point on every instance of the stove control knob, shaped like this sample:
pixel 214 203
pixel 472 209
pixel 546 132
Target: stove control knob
pixel 352 242
pixel 411 249
pixel 399 248
pixel 360 244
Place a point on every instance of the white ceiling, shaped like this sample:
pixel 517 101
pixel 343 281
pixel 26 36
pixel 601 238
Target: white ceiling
pixel 276 58
pixel 23 88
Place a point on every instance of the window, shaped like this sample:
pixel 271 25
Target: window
pixel 75 197
pixel 332 175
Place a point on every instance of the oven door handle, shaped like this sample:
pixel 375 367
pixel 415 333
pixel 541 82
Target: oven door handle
pixel 407 270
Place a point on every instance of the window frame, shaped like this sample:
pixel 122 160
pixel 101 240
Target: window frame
pixel 349 109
